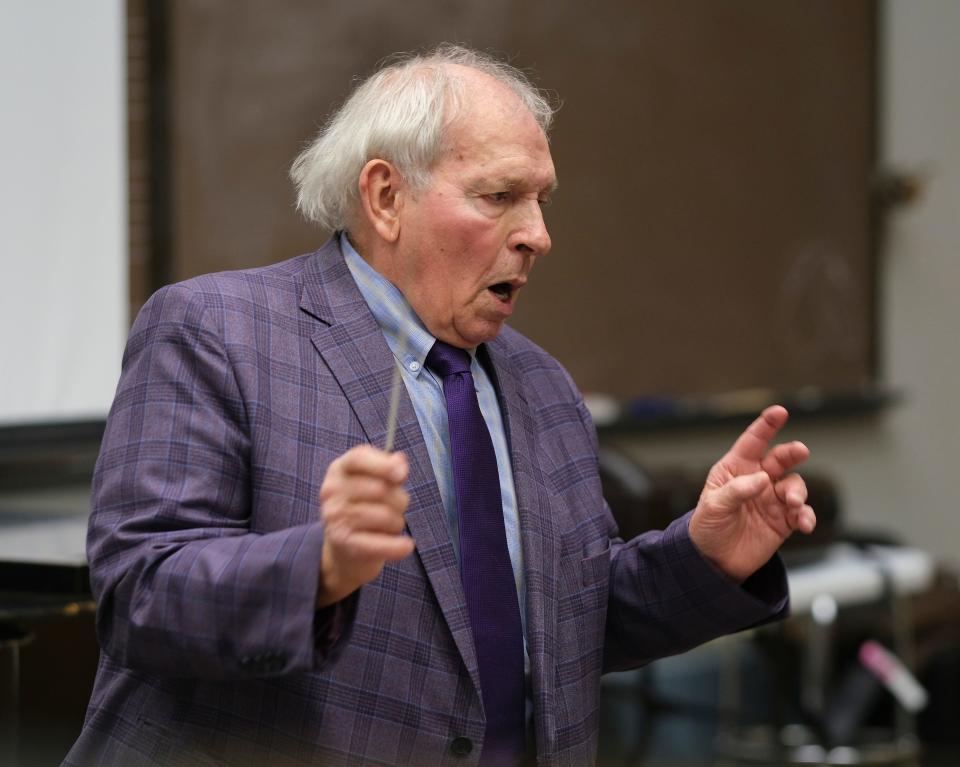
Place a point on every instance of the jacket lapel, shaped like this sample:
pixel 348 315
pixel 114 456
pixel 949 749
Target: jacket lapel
pixel 541 546
pixel 355 351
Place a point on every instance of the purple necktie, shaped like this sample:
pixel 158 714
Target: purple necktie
pixel 484 561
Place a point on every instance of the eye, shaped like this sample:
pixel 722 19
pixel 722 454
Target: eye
pixel 498 196
pixel 545 202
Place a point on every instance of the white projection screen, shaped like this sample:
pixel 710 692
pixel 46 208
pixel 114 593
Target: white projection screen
pixel 63 234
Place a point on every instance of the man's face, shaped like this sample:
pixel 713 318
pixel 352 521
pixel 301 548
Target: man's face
pixel 468 241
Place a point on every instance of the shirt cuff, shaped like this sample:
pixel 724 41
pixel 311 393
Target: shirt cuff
pixel 332 627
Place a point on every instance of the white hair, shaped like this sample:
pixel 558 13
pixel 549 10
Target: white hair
pixel 398 114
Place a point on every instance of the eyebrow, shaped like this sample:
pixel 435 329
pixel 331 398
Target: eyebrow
pixel 512 183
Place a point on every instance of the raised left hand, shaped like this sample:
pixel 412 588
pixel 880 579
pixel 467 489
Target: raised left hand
pixel 751 502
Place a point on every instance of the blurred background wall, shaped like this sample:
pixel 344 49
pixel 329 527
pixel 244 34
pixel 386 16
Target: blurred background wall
pixel 898 471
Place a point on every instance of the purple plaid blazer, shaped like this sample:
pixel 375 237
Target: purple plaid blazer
pixel 238 390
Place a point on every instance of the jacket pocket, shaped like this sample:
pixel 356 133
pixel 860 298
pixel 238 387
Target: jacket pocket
pixel 596 567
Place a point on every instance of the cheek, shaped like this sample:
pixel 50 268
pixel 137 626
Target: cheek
pixel 479 250
pixel 461 262
pixel 463 250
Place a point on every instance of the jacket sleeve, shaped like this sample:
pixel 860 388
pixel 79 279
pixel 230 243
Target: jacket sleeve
pixel 665 597
pixel 183 586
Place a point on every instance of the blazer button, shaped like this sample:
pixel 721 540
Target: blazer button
pixel 461 746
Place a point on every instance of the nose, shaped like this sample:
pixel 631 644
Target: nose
pixel 531 236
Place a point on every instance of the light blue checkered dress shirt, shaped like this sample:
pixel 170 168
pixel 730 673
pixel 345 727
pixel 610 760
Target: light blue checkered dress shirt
pixel 410 343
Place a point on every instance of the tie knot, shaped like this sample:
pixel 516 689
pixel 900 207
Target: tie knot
pixel 445 360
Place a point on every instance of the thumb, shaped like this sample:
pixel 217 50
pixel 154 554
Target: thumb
pixel 739 490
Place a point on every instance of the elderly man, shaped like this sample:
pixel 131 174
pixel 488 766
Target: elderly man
pixel 276 588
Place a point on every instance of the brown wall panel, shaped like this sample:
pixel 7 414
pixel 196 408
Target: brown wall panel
pixel 713 226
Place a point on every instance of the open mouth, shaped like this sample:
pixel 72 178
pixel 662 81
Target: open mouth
pixel 503 291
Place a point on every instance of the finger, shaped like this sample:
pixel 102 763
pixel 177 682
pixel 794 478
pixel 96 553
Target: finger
pixel 739 490
pixel 378 546
pixel 398 499
pixel 753 443
pixel 360 488
pixel 792 490
pixel 368 517
pixel 783 458
pixel 803 519
pixel 371 461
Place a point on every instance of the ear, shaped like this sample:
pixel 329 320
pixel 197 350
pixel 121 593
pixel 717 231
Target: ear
pixel 381 194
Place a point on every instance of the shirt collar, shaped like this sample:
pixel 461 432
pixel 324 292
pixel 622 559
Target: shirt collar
pixel 406 335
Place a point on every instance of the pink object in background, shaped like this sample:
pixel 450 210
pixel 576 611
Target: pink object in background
pixel 896 677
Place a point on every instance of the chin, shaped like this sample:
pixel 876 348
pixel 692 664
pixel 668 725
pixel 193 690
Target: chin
pixel 478 333
pixel 487 335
